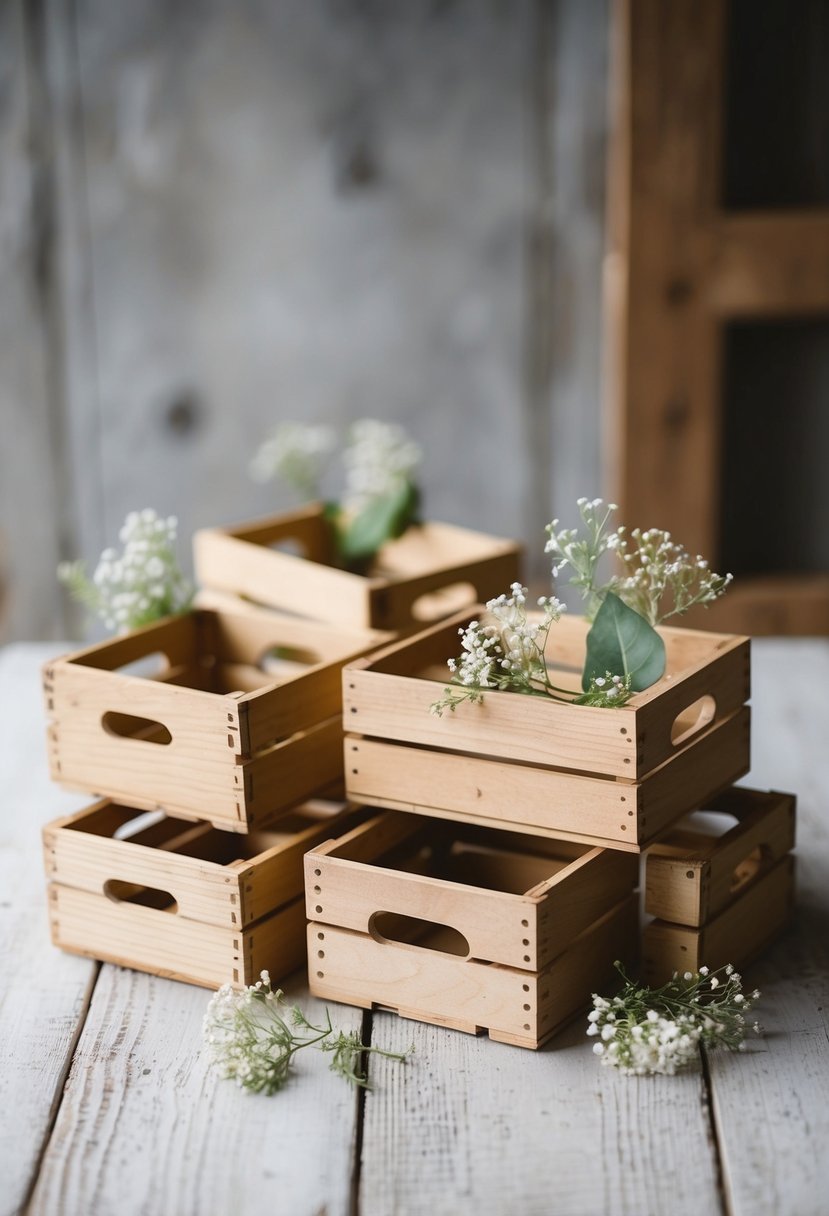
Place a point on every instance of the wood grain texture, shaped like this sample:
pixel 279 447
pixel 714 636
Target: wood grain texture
pixel 770 1104
pixel 44 992
pixel 498 1130
pixel 145 1125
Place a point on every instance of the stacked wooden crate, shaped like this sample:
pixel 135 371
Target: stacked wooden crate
pixel 721 885
pixel 213 737
pixel 539 810
pixel 207 734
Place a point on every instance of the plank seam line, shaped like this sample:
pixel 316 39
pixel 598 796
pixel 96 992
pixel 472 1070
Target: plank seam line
pixel 60 1088
pixel 714 1133
pixel 366 1026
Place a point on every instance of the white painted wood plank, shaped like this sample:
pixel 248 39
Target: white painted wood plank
pixel 770 1104
pixel 471 1126
pixel 43 992
pixel 147 1127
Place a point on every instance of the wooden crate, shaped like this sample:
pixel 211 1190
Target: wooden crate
pixel 430 572
pixel 466 926
pixel 515 899
pixel 737 935
pixel 700 867
pixel 221 731
pixel 183 900
pixel 615 777
pixel 421 981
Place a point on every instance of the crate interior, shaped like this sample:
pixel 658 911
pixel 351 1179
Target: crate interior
pixel 154 829
pixel 219 652
pixel 426 657
pixel 477 857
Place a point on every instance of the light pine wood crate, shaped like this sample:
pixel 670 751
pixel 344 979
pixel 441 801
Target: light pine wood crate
pixel 738 935
pixel 426 574
pixel 707 860
pixel 181 900
pixel 221 730
pixel 467 927
pixel 721 884
pixel 614 777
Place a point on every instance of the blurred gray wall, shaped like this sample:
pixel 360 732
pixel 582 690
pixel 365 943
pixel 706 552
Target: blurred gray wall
pixel 218 214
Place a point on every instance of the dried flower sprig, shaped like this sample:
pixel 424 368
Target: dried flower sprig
pixel 252 1041
pixel 298 453
pixel 646 1030
pixel 506 651
pixel 138 585
pixel 660 579
pixel 381 498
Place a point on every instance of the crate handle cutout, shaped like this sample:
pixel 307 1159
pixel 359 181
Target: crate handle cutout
pixel 291 545
pixel 693 719
pixel 130 726
pixel 132 893
pixel 395 929
pixel 153 666
pixel 286 661
pixel 434 605
pixel 751 867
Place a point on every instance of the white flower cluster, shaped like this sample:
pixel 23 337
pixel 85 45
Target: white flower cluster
pixel 660 578
pixel 379 459
pixel 140 584
pixel 507 651
pixel 658 567
pixel 297 452
pixel 235 1029
pixel 644 1031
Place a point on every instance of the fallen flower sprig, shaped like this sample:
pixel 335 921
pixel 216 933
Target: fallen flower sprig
pixel 505 651
pixel 645 1030
pixel 254 1036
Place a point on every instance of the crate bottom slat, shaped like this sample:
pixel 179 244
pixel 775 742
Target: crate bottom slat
pixel 512 1006
pixel 173 947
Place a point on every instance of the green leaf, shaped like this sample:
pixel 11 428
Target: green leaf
pixel 623 642
pixel 383 519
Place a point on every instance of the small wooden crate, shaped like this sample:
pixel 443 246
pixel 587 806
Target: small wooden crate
pixel 431 571
pixel 466 926
pixel 720 897
pixel 691 875
pixel 183 900
pixel 738 935
pixel 222 731
pixel 615 777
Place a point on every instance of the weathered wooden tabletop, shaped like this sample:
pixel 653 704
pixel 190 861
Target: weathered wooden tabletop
pixel 107 1104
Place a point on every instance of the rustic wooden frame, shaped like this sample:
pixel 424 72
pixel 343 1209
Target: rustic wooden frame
pixel 678 268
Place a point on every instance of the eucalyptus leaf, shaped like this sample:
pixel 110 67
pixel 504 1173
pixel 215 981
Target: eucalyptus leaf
pixel 622 641
pixel 383 519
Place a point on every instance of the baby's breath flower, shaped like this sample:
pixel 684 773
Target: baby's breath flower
pixel 506 650
pixel 252 1042
pixel 141 585
pixel 660 1030
pixel 296 452
pixel 379 459
pixel 659 579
